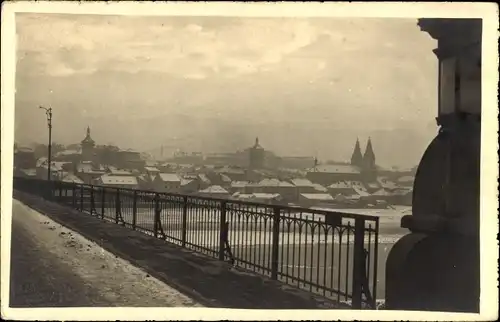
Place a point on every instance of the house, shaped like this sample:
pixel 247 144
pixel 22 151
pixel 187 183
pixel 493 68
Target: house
pixel 114 171
pixel 314 199
pixel 287 190
pixel 345 188
pixel 304 185
pixel 189 185
pixel 406 181
pixel 151 171
pixel 267 197
pixel 387 184
pixel 56 169
pixel 329 173
pixel 72 179
pixel 234 173
pixel 24 158
pixel 88 172
pixel 167 182
pixel 320 188
pixel 129 182
pixel 215 191
pixel 238 186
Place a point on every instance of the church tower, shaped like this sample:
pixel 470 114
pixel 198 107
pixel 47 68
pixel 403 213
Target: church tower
pixel 88 147
pixel 357 157
pixel 256 155
pixel 369 166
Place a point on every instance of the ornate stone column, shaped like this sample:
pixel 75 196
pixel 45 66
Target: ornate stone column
pixel 436 266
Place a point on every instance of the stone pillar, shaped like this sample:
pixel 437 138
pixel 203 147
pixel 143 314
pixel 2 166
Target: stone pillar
pixel 436 266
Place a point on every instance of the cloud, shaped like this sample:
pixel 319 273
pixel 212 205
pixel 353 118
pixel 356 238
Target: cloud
pixel 303 83
pixel 86 44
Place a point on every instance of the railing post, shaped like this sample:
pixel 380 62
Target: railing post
pixel 60 186
pixel 81 197
pixel 157 214
pixel 223 231
pixel 103 202
pixel 359 265
pixel 184 220
pixel 73 195
pixel 92 201
pixel 117 206
pixel 275 243
pixel 134 211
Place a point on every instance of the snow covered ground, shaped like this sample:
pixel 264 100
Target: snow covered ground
pixel 117 281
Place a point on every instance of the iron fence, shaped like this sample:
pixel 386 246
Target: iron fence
pixel 330 253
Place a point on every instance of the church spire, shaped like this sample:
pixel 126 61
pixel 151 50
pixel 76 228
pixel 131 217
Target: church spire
pixel 369 157
pixel 357 157
pixel 88 131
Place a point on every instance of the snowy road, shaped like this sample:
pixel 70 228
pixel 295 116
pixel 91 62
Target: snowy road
pixel 52 266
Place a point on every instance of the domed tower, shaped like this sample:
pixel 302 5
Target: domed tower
pixel 357 157
pixel 256 155
pixel 88 147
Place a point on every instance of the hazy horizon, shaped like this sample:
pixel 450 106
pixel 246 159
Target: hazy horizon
pixel 304 86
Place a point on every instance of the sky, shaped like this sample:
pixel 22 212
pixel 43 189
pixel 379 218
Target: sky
pixel 304 86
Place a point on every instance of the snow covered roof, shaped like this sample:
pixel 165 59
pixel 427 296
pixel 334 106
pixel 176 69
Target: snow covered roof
pixel 300 182
pixel 121 180
pixel 185 181
pixel 336 168
pixel 317 196
pixel 273 183
pixel 320 188
pixel 71 178
pixel 169 177
pixel 341 185
pixel 266 195
pixel 215 189
pixel 406 179
pixel 239 184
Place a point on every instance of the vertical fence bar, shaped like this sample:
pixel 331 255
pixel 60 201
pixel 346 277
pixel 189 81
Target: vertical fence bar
pixel 60 186
pixel 275 243
pixel 223 230
pixel 375 264
pixel 134 211
pixel 117 206
pixel 73 195
pixel 184 221
pixel 157 214
pixel 358 266
pixel 81 197
pixel 103 202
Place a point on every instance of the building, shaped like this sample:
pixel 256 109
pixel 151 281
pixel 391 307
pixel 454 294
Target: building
pixel 330 173
pixel 256 155
pixel 88 145
pixel 369 168
pixel 315 199
pixel 24 158
pixel 129 182
pixel 215 192
pixel 88 171
pixel 167 182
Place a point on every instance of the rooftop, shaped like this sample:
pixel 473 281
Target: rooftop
pixel 169 177
pixel 121 180
pixel 335 168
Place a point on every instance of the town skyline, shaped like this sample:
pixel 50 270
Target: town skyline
pixel 310 87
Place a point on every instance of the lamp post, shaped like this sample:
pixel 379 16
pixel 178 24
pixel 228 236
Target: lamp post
pixel 48 112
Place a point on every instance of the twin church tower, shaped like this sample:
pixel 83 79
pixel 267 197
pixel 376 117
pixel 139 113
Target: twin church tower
pixel 364 161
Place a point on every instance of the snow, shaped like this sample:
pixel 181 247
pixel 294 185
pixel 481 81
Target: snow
pixel 116 279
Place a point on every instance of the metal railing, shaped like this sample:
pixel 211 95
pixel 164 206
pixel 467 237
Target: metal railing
pixel 330 253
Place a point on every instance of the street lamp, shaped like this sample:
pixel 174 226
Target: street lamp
pixel 48 112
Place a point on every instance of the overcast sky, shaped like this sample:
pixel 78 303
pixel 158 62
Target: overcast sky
pixel 304 86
